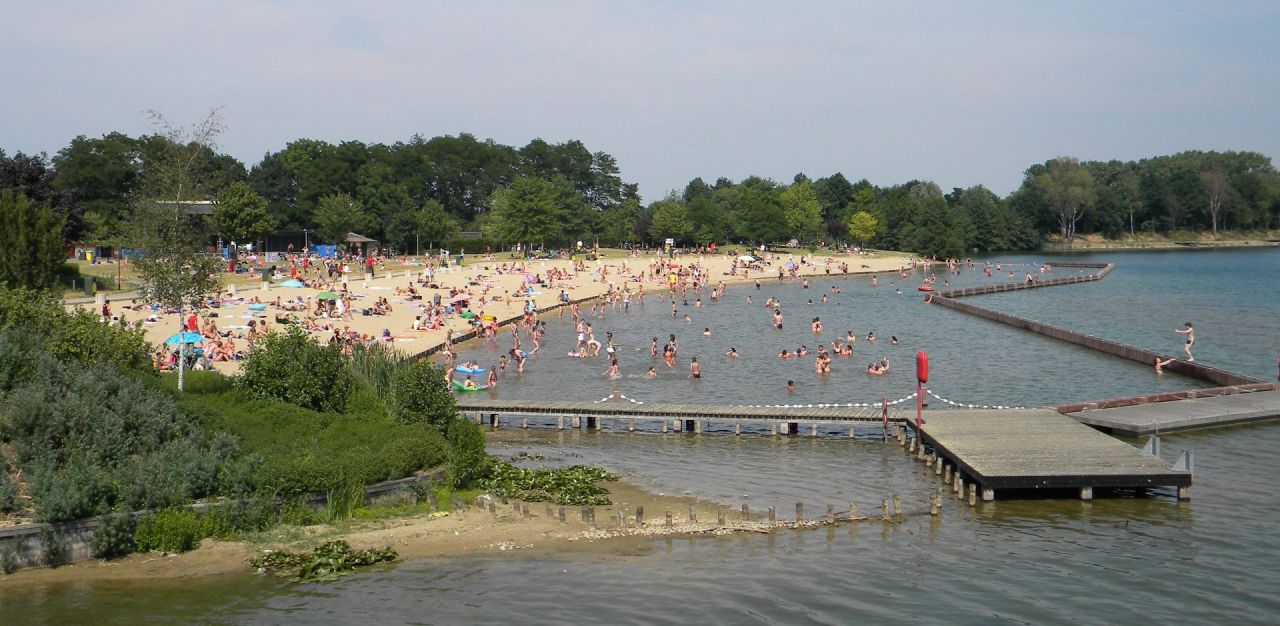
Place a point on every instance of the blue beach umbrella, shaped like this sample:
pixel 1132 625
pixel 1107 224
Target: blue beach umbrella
pixel 292 282
pixel 187 337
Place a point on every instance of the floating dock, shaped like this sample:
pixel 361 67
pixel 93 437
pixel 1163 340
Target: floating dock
pixel 1042 449
pixel 1177 415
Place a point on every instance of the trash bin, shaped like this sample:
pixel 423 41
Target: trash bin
pixel 90 286
pixel 262 275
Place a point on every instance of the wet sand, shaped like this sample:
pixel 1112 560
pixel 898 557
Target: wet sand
pixel 471 531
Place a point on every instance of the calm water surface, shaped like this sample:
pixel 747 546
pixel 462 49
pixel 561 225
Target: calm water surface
pixel 1115 560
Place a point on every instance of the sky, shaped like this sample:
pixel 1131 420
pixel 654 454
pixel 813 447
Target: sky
pixel 960 93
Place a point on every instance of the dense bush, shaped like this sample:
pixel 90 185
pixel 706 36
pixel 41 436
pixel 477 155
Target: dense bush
pixel 467 460
pixel 113 537
pixel 420 395
pixel 170 530
pixel 302 450
pixel 55 551
pixel 290 367
pixel 8 490
pixel 72 336
pixel 93 440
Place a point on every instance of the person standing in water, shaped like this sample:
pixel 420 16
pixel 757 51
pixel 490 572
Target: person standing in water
pixel 1191 339
pixel 695 370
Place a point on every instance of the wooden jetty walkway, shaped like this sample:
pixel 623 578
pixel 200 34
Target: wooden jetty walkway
pixel 687 417
pixel 1185 414
pixel 1031 449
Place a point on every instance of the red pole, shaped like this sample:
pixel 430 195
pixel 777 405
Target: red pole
pixel 917 407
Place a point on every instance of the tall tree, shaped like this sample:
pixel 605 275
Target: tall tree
pixel 527 212
pixel 802 211
pixel 1217 189
pixel 100 175
pixel 339 214
pixel 1068 189
pixel 862 226
pixel 30 242
pixel 240 214
pixel 175 267
pixel 670 220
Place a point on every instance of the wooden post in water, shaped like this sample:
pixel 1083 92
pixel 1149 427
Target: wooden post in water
pixel 853 510
pixel 773 429
pixel 719 516
pixel 1184 493
pixel 934 503
pixel 631 425
pixel 524 423
pixel 746 512
pixel 1086 493
pixel 773 516
pixel 988 494
pixel 737 428
pixel 813 430
pixel 959 487
pixel 799 511
pixel 973 494
pixel 559 422
pixel 938 469
pixel 693 515
pixel 577 421
pixel 831 514
pixel 884 509
pixel 639 515
pixel 946 473
pixel 697 427
pixel 851 430
pixel 668 519
pixel 897 506
pixel 664 425
pixel 622 518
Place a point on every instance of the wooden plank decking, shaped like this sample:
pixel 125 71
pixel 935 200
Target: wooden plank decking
pixel 1040 449
pixel 633 410
pixel 1176 415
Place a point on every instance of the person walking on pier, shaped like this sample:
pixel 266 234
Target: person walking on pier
pixel 1191 339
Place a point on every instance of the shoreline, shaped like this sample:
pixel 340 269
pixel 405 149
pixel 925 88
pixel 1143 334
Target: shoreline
pixel 471 532
pixel 481 278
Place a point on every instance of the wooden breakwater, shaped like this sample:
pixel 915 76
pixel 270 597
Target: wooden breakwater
pixel 951 299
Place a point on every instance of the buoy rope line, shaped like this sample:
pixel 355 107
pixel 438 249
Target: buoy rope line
pixel 824 405
pixel 971 406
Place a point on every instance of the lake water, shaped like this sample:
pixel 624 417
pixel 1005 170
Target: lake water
pixel 1114 560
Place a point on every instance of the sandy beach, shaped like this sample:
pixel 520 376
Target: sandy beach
pixel 497 287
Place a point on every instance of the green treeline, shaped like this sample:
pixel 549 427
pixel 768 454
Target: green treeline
pixel 423 191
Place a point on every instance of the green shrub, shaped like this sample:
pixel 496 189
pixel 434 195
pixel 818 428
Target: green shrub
pixel 8 490
pixel 8 561
pixel 290 367
pixel 375 365
pixel 420 395
pixel 113 537
pixel 93 440
pixel 364 404
pixel 80 336
pixel 341 500
pixel 299 450
pixel 170 530
pixel 54 550
pixel 468 462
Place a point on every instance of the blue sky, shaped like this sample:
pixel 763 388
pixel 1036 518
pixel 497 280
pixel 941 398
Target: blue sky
pixel 957 93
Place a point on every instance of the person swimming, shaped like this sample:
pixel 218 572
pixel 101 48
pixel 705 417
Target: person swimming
pixel 733 353
pixel 784 354
pixel 791 386
pixel 1160 364
pixel 652 373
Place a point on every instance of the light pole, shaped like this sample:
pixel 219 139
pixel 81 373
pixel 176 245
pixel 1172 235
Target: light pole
pixel 306 241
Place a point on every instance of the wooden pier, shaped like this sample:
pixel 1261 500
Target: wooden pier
pixel 1185 414
pixel 786 419
pixel 1031 449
